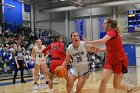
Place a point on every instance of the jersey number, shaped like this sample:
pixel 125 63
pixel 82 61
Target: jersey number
pixel 40 55
pixel 79 59
pixel 54 47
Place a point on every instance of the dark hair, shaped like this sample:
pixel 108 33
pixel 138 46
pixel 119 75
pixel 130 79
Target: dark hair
pixel 73 32
pixel 56 37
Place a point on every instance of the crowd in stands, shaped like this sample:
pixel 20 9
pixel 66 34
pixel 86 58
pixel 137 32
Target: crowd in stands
pixel 25 38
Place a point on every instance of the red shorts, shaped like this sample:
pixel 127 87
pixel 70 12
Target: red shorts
pixel 119 65
pixel 54 64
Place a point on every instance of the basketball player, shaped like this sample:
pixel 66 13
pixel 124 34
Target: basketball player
pixel 58 55
pixel 76 57
pixel 40 62
pixel 116 59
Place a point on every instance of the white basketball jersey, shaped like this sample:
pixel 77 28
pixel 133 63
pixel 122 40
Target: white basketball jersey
pixel 38 53
pixel 78 55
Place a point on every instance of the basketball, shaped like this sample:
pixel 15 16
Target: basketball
pixel 61 71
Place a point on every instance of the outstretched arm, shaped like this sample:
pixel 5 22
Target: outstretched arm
pixel 102 50
pixel 45 50
pixel 94 48
pixel 98 42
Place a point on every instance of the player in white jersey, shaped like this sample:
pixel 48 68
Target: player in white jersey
pixel 40 62
pixel 76 56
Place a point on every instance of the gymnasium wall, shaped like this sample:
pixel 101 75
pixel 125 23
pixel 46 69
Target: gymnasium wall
pixel 138 55
pixel 43 20
pixel 0 12
pixel 13 15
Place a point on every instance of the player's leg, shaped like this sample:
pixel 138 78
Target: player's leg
pixel 106 74
pixel 51 76
pixel 81 81
pixel 45 72
pixel 117 82
pixel 36 71
pixel 70 82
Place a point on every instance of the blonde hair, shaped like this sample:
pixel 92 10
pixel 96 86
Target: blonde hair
pixel 118 27
pixel 114 24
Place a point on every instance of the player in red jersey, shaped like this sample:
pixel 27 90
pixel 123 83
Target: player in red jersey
pixel 58 56
pixel 116 59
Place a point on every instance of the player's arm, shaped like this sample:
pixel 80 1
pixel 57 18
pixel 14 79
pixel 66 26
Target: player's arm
pixel 67 60
pixel 94 48
pixel 102 50
pixel 98 42
pixel 45 57
pixel 45 50
pixel 46 54
pixel 33 52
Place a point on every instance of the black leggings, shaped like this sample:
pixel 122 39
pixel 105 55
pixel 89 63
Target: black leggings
pixel 21 68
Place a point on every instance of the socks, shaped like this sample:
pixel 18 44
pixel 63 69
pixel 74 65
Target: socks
pixel 35 83
pixel 51 90
pixel 129 88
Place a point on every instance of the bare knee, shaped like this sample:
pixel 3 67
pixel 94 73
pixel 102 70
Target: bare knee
pixel 51 77
pixel 79 87
pixel 116 85
pixel 35 73
pixel 45 73
pixel 103 81
pixel 69 85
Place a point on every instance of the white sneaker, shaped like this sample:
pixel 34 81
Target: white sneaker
pixel 73 90
pixel 51 91
pixel 36 86
pixel 44 86
pixel 133 89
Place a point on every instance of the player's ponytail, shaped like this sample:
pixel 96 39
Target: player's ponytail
pixel 114 24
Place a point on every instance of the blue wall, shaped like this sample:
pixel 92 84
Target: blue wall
pixel 13 15
pixel 101 28
pixel 131 54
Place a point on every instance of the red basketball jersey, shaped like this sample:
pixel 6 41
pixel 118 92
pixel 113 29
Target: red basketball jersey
pixel 114 45
pixel 56 50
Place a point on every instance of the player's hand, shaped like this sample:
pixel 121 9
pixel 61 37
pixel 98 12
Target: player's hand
pixel 84 38
pixel 97 49
pixel 64 65
pixel 43 59
pixel 94 49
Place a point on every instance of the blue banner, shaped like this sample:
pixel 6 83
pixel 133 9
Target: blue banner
pixel 80 27
pixel 27 8
pixel 101 28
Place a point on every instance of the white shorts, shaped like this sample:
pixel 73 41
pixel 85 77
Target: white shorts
pixel 37 62
pixel 79 70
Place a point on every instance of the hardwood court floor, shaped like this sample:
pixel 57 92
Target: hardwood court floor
pixel 91 86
